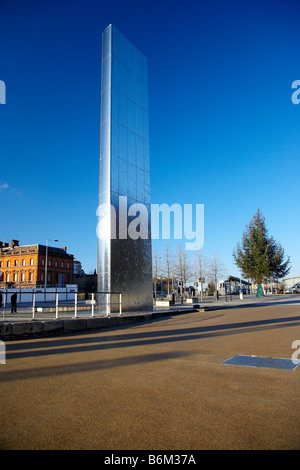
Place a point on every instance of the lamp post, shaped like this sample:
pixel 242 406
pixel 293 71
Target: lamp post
pixel 20 268
pixel 291 268
pixel 50 239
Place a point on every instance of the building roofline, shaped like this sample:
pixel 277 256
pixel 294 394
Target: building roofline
pixel 38 247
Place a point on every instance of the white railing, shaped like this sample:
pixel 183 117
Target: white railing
pixel 58 304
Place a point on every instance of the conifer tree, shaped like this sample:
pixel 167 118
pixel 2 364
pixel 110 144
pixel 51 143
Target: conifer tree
pixel 259 256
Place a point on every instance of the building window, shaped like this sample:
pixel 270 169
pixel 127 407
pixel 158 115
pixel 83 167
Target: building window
pixel 23 277
pixel 1 264
pixel 68 265
pixel 30 277
pixel 43 261
pixel 31 261
pixel 8 264
pixel 16 262
pixel 7 277
pixel 56 263
pixel 50 262
pixel 15 277
pixel 62 264
pixel 23 262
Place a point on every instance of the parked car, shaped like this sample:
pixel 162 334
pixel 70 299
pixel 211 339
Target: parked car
pixel 294 289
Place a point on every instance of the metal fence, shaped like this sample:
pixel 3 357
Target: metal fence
pixel 58 304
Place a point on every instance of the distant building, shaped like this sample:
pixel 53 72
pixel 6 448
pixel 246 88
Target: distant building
pixel 25 266
pixel 235 282
pixel 290 281
pixel 86 283
pixel 77 268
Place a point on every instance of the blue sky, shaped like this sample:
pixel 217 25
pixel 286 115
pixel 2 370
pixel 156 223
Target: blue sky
pixel 223 129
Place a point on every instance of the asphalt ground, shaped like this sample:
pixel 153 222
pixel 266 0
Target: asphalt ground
pixel 159 385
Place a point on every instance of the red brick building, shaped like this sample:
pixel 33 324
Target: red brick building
pixel 25 266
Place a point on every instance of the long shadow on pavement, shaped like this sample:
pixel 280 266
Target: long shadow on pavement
pixel 101 341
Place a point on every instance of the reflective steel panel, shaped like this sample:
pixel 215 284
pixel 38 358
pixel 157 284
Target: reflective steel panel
pixel 124 264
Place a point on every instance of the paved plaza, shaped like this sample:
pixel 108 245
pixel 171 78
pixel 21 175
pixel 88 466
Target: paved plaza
pixel 158 385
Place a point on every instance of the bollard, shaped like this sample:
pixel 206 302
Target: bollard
pixel 33 307
pixel 120 304
pixel 93 307
pixel 76 297
pixel 4 304
pixel 2 352
pixel 56 306
pixel 106 296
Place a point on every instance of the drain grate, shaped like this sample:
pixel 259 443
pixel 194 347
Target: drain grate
pixel 266 362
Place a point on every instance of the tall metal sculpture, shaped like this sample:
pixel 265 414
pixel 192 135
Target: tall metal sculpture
pixel 124 260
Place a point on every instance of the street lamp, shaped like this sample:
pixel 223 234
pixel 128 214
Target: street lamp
pixel 52 240
pixel 20 268
pixel 291 269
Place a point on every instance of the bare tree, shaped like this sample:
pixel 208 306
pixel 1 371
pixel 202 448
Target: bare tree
pixel 168 264
pixel 201 270
pixel 182 267
pixel 216 272
pixel 156 269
